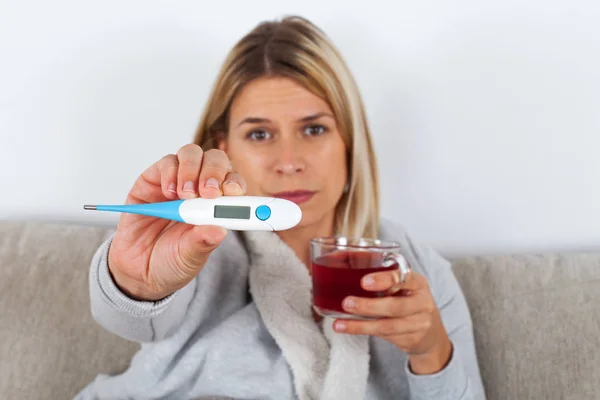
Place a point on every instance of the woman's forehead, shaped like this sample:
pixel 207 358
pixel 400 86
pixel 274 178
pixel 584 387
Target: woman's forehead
pixel 276 98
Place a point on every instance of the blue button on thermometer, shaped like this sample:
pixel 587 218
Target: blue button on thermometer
pixel 240 213
pixel 263 212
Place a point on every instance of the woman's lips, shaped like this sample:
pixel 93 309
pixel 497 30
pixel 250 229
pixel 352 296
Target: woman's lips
pixel 297 196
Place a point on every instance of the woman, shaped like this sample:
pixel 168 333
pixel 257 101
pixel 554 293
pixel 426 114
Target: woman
pixel 228 314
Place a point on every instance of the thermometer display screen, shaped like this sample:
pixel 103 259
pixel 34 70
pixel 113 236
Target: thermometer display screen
pixel 236 212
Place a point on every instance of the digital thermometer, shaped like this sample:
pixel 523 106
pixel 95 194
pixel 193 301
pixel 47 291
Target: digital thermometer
pixel 240 213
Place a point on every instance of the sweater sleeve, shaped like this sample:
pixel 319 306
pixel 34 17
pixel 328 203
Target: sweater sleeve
pixel 460 379
pixel 140 321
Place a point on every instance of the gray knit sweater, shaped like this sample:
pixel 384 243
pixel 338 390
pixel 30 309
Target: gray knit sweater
pixel 242 329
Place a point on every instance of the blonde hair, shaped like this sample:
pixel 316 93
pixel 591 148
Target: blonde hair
pixel 294 48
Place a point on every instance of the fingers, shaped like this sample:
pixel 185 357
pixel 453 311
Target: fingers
pixel 201 173
pixel 189 158
pixel 384 327
pixel 188 174
pixel 168 167
pixel 389 306
pixel 391 281
pixel 197 243
pixel 215 166
pixel 152 185
pixel 234 185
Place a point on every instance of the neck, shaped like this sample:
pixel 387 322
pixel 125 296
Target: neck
pixel 299 238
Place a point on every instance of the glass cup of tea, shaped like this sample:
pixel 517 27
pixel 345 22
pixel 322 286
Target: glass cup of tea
pixel 339 264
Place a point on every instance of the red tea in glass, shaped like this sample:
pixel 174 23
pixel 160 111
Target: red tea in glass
pixel 338 265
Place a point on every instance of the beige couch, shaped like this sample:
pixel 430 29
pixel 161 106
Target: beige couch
pixel 536 318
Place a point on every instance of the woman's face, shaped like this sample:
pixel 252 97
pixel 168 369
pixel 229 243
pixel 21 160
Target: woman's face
pixel 285 142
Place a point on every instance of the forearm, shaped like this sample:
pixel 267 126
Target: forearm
pixel 140 321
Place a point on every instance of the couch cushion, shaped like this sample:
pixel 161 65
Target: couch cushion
pixel 537 323
pixel 536 318
pixel 50 346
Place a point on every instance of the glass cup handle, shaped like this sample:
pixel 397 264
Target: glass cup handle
pixel 403 267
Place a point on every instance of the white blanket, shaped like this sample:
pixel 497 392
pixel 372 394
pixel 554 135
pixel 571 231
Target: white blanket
pixel 326 365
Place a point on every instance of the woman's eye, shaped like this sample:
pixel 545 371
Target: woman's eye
pixel 258 135
pixel 314 130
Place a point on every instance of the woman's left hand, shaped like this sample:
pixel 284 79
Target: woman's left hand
pixel 409 319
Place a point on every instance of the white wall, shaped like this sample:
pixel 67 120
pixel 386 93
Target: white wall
pixel 485 114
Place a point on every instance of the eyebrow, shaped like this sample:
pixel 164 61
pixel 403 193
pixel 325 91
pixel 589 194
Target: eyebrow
pixel 312 117
pixel 316 116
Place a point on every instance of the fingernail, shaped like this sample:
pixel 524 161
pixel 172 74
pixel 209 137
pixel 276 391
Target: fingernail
pixel 349 304
pixel 172 188
pixel 212 182
pixel 188 186
pixel 368 281
pixel 234 185
pixel 340 326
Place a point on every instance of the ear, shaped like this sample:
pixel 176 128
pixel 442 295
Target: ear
pixel 221 141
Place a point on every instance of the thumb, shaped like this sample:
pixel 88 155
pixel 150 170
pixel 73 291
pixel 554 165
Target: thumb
pixel 198 242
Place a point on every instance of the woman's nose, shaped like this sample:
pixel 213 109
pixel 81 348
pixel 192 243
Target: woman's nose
pixel 289 158
pixel 289 168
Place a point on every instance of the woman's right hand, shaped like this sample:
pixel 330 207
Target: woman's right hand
pixel 150 258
